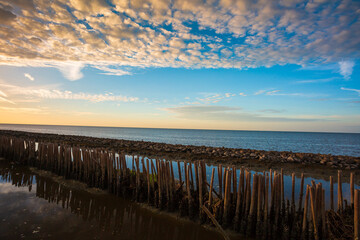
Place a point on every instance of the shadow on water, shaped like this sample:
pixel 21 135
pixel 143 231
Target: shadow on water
pixel 35 207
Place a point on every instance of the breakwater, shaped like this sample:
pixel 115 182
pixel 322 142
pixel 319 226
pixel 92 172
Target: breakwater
pixel 188 152
pixel 251 204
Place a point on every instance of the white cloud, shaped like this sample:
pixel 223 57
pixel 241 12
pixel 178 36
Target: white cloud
pixel 212 98
pixel 280 93
pixel 242 94
pixel 2 99
pixel 236 114
pixel 2 94
pixel 272 111
pixel 346 68
pixel 316 80
pixel 351 89
pixel 112 71
pixel 275 32
pixel 272 93
pixel 24 110
pixel 229 95
pixel 28 76
pixel 71 70
pixel 260 92
pixel 34 93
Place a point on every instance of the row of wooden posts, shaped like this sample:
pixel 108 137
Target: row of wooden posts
pixel 251 204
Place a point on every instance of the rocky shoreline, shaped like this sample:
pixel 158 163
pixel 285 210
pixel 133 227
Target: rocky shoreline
pixel 189 152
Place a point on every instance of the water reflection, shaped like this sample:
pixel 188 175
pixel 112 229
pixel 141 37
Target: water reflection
pixel 36 207
pixel 287 180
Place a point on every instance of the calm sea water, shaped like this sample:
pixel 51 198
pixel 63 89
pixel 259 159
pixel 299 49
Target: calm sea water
pixel 326 143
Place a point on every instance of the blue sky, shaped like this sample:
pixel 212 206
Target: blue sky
pixel 247 65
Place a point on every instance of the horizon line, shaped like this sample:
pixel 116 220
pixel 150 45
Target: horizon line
pixel 201 129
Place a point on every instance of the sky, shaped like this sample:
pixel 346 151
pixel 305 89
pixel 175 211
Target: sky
pixel 287 65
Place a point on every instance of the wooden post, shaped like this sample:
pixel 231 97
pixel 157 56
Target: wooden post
pixel 197 175
pixel 254 196
pixel 220 179
pixel 179 169
pixel 248 193
pixel 204 180
pixel 253 205
pixel 293 191
pixel 314 217
pixel 238 203
pixel 153 169
pixel 277 196
pixel 187 179
pixel 356 215
pixel 191 176
pixel 227 175
pixel 234 184
pixel 305 210
pixel 167 181
pixel 200 187
pixel 224 180
pixel 272 195
pixel 160 183
pixel 331 193
pixel 340 197
pixel 352 189
pixel 137 179
pixel 143 164
pixel 266 198
pixel 241 183
pixel 172 177
pixel 259 197
pixel 301 191
pixel 211 187
pixel 323 224
pixel 148 180
pixel 271 180
pixel 282 189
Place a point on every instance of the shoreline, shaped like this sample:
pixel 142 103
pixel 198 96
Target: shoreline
pixel 213 155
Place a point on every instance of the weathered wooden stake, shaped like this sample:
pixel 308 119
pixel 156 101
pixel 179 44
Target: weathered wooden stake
pixel 301 192
pixel 179 169
pixel 220 179
pixel 356 215
pixel 331 193
pixel 352 188
pixel 314 217
pixel 340 196
pixel 211 187
pixel 304 223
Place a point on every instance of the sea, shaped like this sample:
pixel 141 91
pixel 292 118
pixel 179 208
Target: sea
pixel 308 142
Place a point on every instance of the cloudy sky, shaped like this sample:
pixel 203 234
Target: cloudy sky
pixel 208 64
